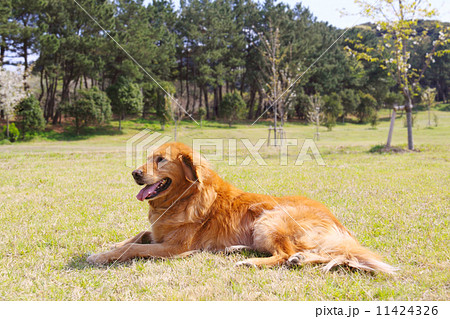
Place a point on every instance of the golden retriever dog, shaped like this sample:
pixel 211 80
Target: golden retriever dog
pixel 193 209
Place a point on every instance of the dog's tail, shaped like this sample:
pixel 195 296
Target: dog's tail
pixel 340 248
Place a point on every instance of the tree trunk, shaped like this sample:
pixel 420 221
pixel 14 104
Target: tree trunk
pixel 205 93
pixel 41 82
pixel 52 97
pixel 429 116
pixel 410 124
pixel 216 102
pixel 25 57
pixel 7 126
pixel 2 52
pixel 194 97
pixel 46 107
pixel 260 103
pixel 200 96
pixel 188 95
pixel 251 102
pixel 391 128
pixel 75 86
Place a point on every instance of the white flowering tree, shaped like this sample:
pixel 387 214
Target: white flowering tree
pixel 12 91
pixel 397 22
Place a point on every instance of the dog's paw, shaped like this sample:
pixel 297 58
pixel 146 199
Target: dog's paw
pixel 245 263
pixel 98 259
pixel 295 260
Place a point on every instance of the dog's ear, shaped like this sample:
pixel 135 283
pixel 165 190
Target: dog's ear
pixel 192 169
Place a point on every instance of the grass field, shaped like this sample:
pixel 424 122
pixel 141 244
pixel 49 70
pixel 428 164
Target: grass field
pixel 62 198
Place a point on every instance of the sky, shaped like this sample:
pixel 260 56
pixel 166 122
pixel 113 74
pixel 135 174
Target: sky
pixel 329 10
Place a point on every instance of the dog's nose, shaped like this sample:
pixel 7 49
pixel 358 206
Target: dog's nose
pixel 137 173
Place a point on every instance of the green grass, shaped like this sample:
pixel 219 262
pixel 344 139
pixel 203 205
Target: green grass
pixel 64 198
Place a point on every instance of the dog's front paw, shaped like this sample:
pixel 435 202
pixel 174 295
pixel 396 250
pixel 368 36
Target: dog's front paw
pixel 99 259
pixel 245 263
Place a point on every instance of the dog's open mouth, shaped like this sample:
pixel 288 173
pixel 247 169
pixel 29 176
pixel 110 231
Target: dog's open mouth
pixel 151 191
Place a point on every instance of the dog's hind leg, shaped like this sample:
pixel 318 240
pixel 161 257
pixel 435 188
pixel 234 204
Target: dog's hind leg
pixel 304 257
pixel 274 260
pixel 273 233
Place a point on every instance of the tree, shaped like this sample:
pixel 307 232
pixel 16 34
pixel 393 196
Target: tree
pixel 394 99
pixel 276 68
pixel 126 99
pixel 332 109
pixel 232 107
pixel 29 116
pixel 429 98
pixel 397 22
pixel 26 30
pixel 201 115
pixel 92 106
pixel 158 97
pixel 367 107
pixel 5 28
pixel 12 91
pixel 350 102
pixel 73 50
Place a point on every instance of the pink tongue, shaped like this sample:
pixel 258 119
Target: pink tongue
pixel 147 190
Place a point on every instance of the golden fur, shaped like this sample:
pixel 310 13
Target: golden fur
pixel 200 211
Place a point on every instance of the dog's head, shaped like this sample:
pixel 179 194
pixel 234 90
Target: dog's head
pixel 168 172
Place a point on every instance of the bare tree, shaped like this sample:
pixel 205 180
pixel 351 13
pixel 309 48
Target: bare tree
pixel 315 112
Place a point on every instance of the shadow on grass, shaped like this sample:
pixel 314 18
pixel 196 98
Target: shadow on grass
pixel 79 262
pixel 247 253
pixel 383 149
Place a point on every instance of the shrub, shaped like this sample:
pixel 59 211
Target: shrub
pixel 332 109
pixel 373 119
pixel 232 107
pixel 29 116
pixel 14 132
pixel 435 119
pixel 330 121
pixel 333 105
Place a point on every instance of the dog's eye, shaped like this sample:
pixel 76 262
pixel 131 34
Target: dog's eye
pixel 159 159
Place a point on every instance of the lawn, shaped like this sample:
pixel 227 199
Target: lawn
pixel 61 200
